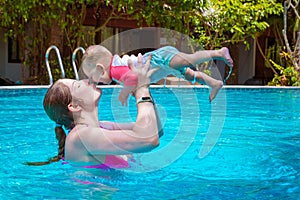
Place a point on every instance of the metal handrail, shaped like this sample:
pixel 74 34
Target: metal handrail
pixel 59 62
pixel 74 59
pixel 228 75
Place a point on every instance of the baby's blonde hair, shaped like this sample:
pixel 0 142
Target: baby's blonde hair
pixel 96 54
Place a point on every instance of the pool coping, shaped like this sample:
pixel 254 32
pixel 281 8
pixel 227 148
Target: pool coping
pixel 161 86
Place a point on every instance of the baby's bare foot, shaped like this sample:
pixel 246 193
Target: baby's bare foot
pixel 226 56
pixel 215 89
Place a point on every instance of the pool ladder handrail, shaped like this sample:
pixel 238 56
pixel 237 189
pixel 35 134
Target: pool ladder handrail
pixel 59 62
pixel 228 75
pixel 74 59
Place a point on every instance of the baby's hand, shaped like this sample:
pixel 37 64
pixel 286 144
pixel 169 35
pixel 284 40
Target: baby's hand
pixel 123 98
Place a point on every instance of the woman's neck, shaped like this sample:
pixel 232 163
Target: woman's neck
pixel 89 119
pixel 87 123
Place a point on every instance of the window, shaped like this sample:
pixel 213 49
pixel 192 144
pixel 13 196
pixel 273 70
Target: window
pixel 13 50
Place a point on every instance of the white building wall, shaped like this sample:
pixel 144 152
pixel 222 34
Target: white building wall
pixel 14 72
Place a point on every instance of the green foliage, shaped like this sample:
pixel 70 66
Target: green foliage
pixel 31 22
pixel 211 23
pixel 287 76
pixel 233 21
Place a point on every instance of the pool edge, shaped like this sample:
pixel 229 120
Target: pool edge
pixel 162 86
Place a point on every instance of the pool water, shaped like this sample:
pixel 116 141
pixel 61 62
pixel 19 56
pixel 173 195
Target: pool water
pixel 244 145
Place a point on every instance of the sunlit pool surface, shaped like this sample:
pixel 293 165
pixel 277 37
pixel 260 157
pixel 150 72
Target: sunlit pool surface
pixel 256 155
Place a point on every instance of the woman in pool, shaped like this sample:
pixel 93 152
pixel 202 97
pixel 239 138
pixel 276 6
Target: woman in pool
pixel 74 104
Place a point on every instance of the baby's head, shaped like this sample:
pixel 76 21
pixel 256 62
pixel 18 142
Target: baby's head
pixel 96 62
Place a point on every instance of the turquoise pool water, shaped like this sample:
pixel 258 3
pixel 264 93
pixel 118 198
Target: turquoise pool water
pixel 254 154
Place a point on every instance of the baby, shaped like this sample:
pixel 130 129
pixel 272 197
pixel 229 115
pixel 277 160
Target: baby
pixel 100 65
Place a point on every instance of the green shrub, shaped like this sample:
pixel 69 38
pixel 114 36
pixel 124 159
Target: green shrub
pixel 287 75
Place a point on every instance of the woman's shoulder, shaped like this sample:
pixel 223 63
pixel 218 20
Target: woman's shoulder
pixel 86 133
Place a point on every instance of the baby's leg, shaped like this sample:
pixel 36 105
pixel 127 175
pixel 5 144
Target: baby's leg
pixel 203 78
pixel 184 60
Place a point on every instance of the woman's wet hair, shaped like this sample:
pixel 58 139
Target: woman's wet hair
pixel 56 103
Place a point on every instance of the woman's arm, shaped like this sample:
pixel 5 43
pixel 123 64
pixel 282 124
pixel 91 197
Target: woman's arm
pixel 129 126
pixel 141 137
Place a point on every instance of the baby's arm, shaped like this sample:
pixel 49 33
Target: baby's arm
pixel 124 94
pixel 124 75
pixel 129 80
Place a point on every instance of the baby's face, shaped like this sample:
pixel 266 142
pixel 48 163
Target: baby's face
pixel 105 78
pixel 95 75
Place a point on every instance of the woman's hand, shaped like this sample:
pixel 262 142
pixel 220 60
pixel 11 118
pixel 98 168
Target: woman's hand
pixel 142 71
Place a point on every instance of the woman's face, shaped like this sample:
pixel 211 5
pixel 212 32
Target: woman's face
pixel 83 91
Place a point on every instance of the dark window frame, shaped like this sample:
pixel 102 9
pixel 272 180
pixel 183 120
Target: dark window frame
pixel 13 51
